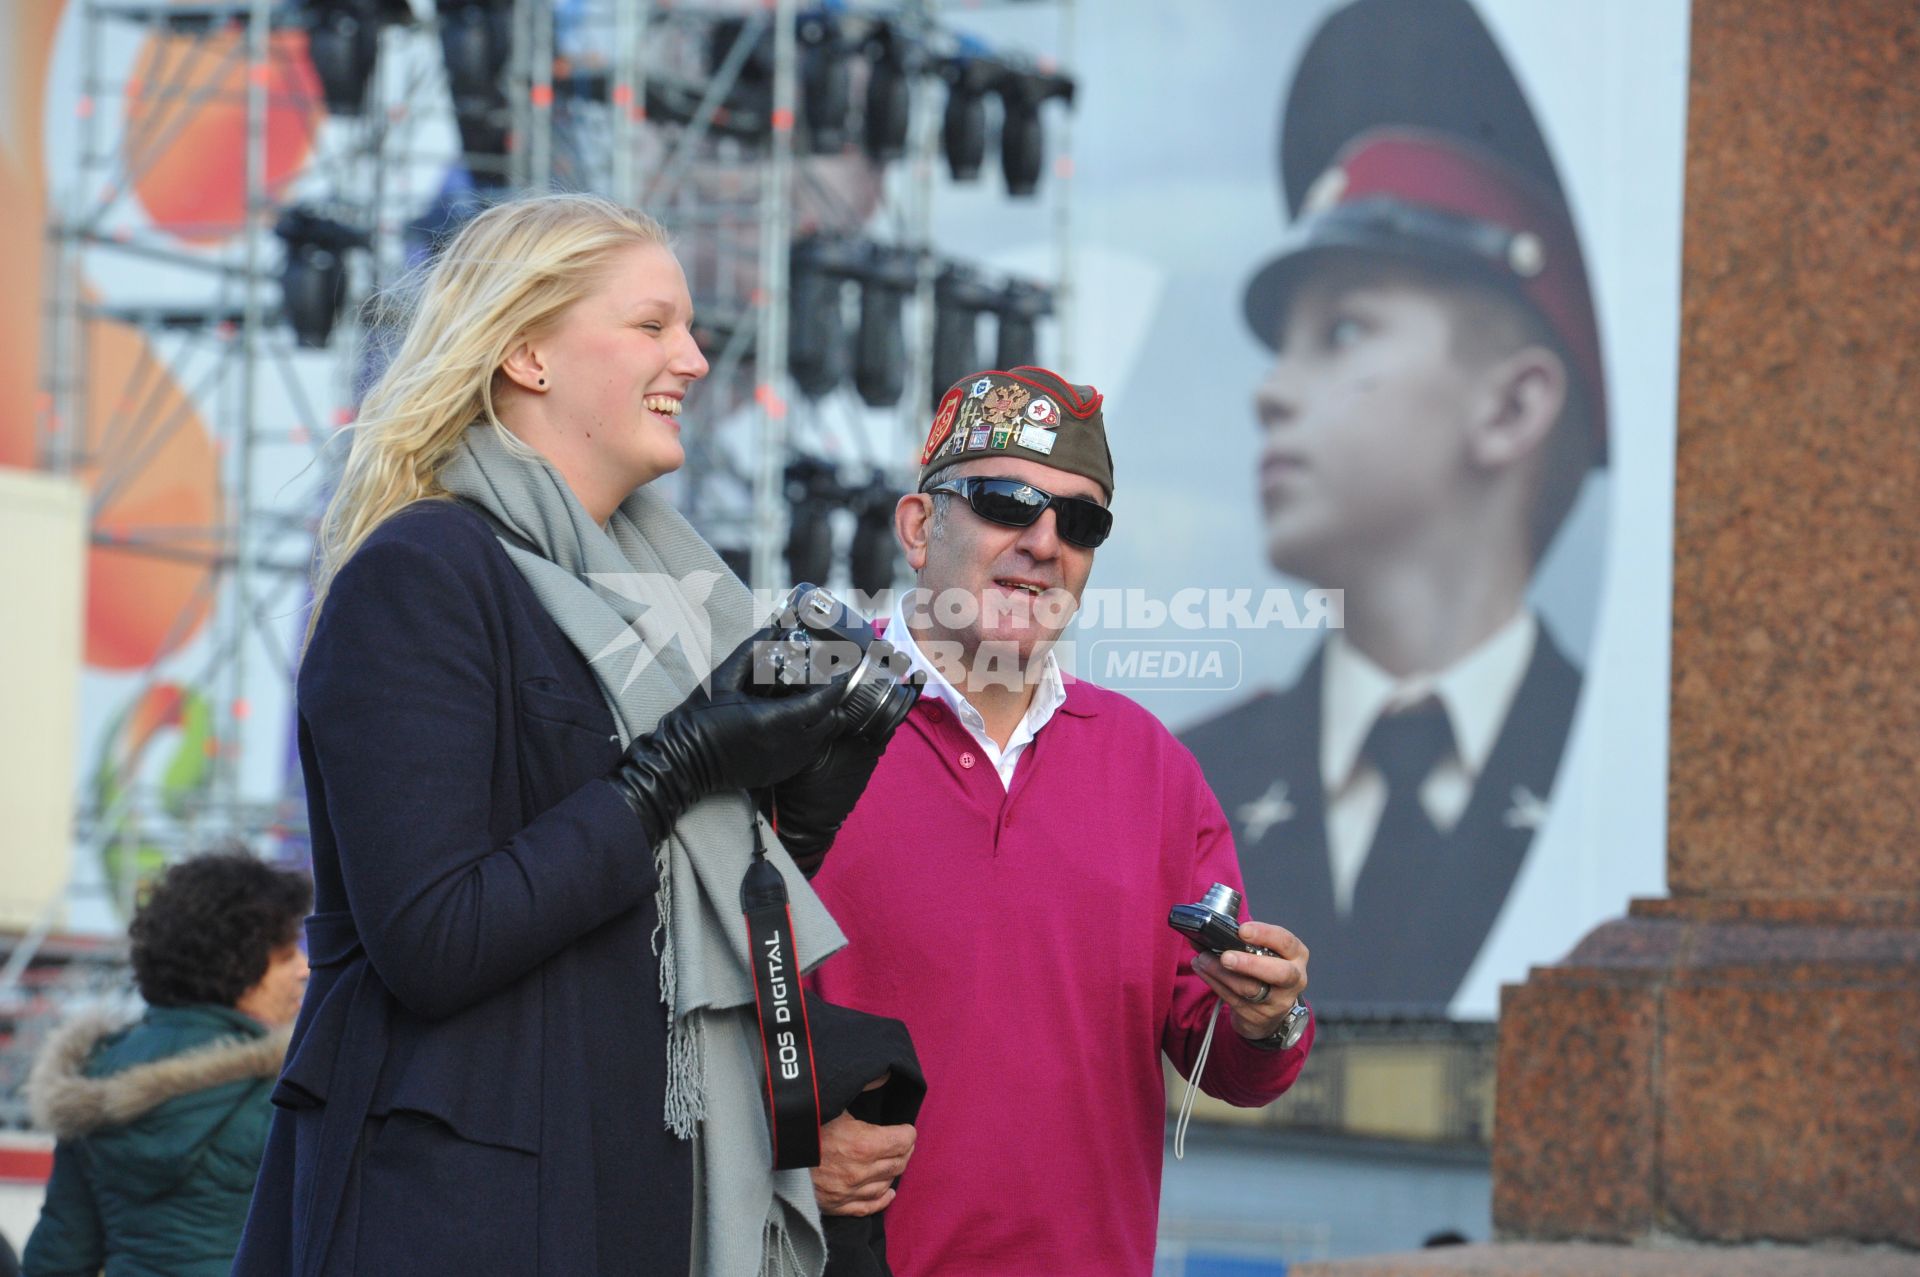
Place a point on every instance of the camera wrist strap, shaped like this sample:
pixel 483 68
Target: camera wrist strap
pixel 793 1096
pixel 1193 1082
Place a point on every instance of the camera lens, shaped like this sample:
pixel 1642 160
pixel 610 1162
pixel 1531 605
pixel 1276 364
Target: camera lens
pixel 1222 899
pixel 878 699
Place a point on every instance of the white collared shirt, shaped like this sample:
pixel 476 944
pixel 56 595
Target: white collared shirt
pixel 1475 691
pixel 1049 694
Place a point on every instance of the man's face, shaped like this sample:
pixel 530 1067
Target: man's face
pixel 1024 582
pixel 1365 413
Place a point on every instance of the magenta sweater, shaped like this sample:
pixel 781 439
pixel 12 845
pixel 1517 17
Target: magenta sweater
pixel 1022 936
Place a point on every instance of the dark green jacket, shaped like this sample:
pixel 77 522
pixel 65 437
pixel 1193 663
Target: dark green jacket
pixel 161 1125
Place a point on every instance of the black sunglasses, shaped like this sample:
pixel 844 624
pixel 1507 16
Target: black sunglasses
pixel 1015 504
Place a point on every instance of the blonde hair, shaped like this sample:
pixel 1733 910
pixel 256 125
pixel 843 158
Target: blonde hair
pixel 509 273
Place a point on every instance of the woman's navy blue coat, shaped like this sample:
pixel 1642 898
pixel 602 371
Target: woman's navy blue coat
pixel 477 1077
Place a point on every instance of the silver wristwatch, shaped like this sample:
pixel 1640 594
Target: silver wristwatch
pixel 1293 1027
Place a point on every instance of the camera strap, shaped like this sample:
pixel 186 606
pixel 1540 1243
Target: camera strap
pixel 1193 1082
pixel 793 1095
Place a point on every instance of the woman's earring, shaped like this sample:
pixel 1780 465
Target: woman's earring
pixel 543 381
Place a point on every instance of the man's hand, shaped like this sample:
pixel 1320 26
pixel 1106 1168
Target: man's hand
pixel 858 1163
pixel 1258 990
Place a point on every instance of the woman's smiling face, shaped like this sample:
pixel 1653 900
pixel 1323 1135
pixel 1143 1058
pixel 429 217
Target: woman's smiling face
pixel 618 364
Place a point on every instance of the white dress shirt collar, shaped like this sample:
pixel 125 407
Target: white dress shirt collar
pixel 1049 694
pixel 1475 691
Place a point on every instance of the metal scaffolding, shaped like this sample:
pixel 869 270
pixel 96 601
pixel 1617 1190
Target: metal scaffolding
pixel 698 115
pixel 703 123
pixel 208 346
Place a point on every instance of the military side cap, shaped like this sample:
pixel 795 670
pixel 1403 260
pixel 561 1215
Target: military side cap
pixel 1438 201
pixel 1023 412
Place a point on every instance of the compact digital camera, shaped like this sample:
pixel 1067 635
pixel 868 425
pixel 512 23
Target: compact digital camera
pixel 1213 924
pixel 816 638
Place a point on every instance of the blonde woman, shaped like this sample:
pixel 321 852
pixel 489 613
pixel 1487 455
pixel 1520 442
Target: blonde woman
pixel 527 783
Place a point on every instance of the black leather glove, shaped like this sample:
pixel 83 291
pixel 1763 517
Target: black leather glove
pixel 726 736
pixel 809 808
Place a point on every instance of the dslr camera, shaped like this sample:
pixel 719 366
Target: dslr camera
pixel 815 638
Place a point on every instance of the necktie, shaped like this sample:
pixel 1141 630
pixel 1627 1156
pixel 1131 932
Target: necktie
pixel 1404 868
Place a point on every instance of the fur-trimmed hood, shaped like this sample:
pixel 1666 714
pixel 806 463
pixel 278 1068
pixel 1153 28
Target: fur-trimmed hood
pixel 64 1100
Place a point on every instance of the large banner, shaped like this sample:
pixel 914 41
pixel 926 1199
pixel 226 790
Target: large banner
pixel 1384 297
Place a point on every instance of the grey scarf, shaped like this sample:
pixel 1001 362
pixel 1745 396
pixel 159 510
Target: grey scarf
pixel 653 609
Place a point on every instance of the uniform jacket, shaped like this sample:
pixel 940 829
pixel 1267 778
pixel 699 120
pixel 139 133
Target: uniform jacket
pixel 1022 936
pixel 160 1125
pixel 484 1000
pixel 1263 760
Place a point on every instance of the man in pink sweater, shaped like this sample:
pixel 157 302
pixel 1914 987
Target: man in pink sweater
pixel 1004 881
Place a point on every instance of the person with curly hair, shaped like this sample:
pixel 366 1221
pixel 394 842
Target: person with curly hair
pixel 162 1122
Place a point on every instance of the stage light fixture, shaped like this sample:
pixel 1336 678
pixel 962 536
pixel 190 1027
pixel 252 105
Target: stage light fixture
pixel 889 103
pixel 959 299
pixel 748 106
pixel 817 327
pixel 826 82
pixel 678 102
pixel 813 493
pixel 1022 131
pixel 873 558
pixel 482 121
pixel 313 280
pixel 475 41
pixel 724 34
pixel 963 134
pixel 343 43
pixel 879 362
pixel 1019 307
